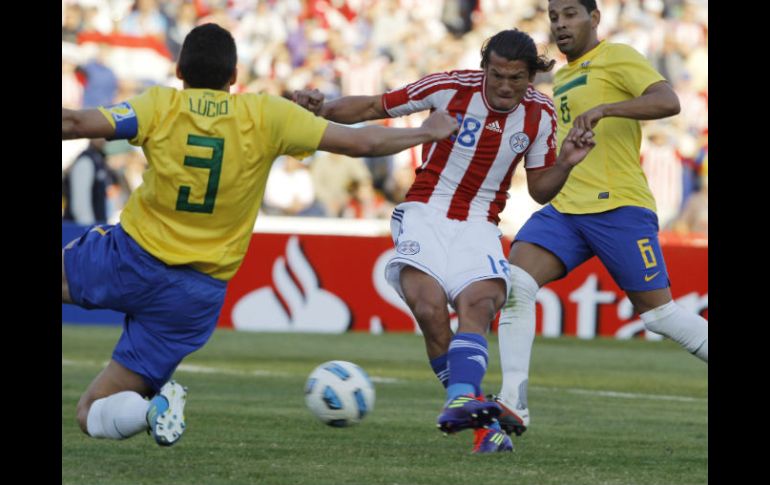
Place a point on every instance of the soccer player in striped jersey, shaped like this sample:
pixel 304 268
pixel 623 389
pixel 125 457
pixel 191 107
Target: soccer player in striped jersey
pixel 445 233
pixel 186 229
pixel 605 208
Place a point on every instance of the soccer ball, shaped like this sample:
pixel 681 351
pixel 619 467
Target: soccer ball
pixel 339 393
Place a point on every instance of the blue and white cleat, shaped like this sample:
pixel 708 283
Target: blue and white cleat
pixel 491 441
pixel 165 415
pixel 465 412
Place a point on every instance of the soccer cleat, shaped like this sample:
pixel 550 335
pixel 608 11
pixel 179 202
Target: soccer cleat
pixel 465 412
pixel 165 415
pixel 512 422
pixel 490 441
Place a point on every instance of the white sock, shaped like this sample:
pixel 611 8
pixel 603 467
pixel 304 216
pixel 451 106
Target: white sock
pixel 686 328
pixel 118 416
pixel 516 334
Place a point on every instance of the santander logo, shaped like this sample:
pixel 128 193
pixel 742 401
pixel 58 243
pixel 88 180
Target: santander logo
pixel 297 304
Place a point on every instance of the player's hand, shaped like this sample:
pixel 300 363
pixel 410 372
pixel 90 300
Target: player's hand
pixel 579 137
pixel 576 146
pixel 587 121
pixel 441 124
pixel 310 99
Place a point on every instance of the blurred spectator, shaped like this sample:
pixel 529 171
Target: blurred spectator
pixel 695 215
pixel 457 16
pixel 87 186
pixel 332 175
pixel 366 202
pixel 289 190
pixel 71 88
pixel 184 21
pixel 368 46
pixel 72 23
pixel 145 19
pixel 96 16
pixel 100 83
pixel 663 168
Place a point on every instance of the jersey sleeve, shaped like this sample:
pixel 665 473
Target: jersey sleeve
pixel 632 71
pixel 295 131
pixel 420 95
pixel 542 153
pixel 132 119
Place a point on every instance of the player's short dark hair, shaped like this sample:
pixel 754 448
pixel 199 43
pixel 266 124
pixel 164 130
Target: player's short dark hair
pixel 515 45
pixel 208 57
pixel 590 5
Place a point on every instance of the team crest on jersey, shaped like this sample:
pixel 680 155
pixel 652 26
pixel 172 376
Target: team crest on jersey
pixel 408 247
pixel 121 111
pixel 519 142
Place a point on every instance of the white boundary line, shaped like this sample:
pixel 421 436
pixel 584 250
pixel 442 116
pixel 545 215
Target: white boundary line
pixel 201 369
pixel 621 395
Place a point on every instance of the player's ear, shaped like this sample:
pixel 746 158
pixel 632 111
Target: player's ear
pixel 596 17
pixel 234 77
pixel 179 73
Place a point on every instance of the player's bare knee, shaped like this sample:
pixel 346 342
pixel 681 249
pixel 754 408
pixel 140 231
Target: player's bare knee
pixel 82 415
pixel 429 314
pixel 644 301
pixel 480 307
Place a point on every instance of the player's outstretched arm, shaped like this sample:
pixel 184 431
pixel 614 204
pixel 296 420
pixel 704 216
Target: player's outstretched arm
pixel 657 101
pixel 346 110
pixel 87 123
pixel 375 141
pixel 543 185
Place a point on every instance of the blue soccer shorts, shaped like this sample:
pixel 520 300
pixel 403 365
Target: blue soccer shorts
pixel 624 239
pixel 171 311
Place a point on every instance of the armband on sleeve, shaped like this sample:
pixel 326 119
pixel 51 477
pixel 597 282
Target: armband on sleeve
pixel 123 117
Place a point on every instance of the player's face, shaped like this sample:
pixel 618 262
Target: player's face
pixel 573 27
pixel 506 81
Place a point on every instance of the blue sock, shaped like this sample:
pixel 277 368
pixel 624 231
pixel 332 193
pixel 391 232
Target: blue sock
pixel 441 369
pixel 468 359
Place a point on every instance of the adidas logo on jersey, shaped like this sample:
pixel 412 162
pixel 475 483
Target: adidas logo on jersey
pixel 494 126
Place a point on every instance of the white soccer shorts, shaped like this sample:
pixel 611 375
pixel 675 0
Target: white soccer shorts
pixel 455 253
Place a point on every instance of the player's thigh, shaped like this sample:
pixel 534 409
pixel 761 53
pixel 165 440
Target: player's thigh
pixel 541 264
pixel 178 321
pixel 549 246
pixel 105 268
pixel 420 257
pixel 427 300
pixel 424 295
pixel 65 290
pixel 626 242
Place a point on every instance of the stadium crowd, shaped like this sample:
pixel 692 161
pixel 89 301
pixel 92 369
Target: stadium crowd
pixel 114 49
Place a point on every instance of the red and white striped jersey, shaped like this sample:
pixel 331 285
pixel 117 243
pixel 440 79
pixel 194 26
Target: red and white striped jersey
pixel 468 176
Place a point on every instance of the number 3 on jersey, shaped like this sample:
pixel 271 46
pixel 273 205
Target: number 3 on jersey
pixel 214 164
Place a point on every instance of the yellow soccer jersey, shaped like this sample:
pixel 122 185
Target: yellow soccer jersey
pixel 611 175
pixel 209 154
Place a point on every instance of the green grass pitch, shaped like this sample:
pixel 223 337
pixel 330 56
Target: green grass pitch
pixel 603 412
